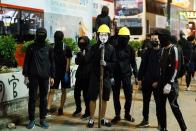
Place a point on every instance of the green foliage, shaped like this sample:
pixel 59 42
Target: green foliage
pixel 72 44
pixel 27 43
pixel 135 44
pixel 5 69
pixel 93 41
pixel 7 50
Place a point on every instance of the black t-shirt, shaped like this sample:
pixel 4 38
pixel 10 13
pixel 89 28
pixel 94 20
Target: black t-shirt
pixel 61 55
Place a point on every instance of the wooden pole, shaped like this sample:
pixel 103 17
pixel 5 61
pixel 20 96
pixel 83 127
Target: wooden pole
pixel 101 87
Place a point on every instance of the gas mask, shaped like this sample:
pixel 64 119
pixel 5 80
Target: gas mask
pixel 103 37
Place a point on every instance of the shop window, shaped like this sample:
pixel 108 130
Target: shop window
pixel 134 25
pixel 20 23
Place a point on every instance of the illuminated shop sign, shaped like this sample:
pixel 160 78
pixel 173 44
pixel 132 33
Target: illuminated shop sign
pixel 188 14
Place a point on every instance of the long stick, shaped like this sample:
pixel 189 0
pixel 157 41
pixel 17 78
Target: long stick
pixel 134 97
pixel 101 87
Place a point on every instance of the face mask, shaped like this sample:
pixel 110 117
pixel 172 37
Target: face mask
pixel 41 37
pixel 123 41
pixel 82 45
pixel 103 37
pixel 155 43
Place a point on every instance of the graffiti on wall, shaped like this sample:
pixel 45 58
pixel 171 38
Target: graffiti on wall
pixel 2 91
pixel 13 82
pixel 12 86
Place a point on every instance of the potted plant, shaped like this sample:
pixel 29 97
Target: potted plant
pixel 72 44
pixel 136 46
pixel 93 41
pixel 7 51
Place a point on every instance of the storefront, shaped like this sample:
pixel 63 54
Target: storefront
pixel 62 15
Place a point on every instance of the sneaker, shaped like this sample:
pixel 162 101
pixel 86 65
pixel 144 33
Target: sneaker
pixel 90 123
pixel 85 116
pixel 60 111
pixel 143 124
pixel 77 113
pixel 52 110
pixel 105 122
pixel 31 125
pixel 187 89
pixel 44 124
pixel 116 119
pixel 129 118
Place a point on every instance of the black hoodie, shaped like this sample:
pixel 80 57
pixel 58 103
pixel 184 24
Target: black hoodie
pixel 39 59
pixel 82 72
pixel 103 18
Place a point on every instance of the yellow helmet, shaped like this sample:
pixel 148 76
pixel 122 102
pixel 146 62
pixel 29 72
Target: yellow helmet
pixel 124 31
pixel 103 29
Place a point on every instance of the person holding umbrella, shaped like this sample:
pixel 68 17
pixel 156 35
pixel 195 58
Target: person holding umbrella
pixel 102 59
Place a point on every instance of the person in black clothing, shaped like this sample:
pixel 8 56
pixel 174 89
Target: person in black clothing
pixel 82 77
pixel 38 68
pixel 122 73
pixel 187 53
pixel 194 57
pixel 62 57
pixel 94 58
pixel 147 44
pixel 148 77
pixel 168 85
pixel 103 18
pixel 190 64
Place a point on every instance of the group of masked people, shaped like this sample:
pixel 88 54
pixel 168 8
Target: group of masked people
pixel 161 66
pixel 47 65
pixel 119 60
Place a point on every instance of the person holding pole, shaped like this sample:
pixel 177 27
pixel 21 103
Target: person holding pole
pixel 101 58
pixel 125 63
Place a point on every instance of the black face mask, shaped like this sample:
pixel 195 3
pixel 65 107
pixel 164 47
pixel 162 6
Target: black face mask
pixel 155 43
pixel 41 35
pixel 123 40
pixel 58 37
pixel 164 40
pixel 40 38
pixel 82 45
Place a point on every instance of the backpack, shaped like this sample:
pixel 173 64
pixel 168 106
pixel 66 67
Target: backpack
pixel 181 61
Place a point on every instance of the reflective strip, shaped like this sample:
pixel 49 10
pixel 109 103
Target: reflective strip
pixel 176 64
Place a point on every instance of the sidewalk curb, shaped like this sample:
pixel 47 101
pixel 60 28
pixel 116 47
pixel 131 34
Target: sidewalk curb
pixel 22 116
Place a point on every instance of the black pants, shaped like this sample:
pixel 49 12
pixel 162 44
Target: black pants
pixel 127 87
pixel 172 97
pixel 188 78
pixel 43 84
pixel 81 86
pixel 147 90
